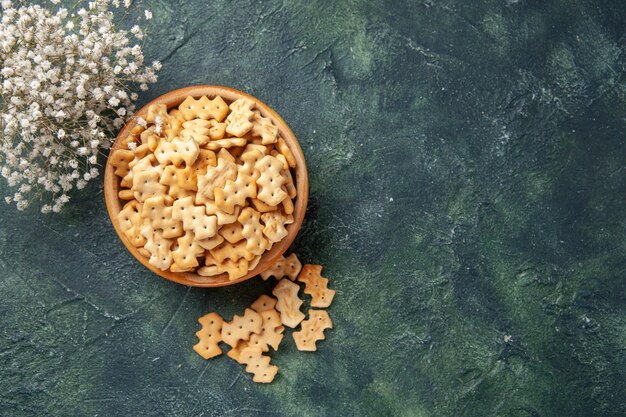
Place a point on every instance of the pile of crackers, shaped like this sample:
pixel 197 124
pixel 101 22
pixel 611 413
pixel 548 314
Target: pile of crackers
pixel 207 186
pixel 251 335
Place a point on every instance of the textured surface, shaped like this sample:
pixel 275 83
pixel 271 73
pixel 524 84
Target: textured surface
pixel 468 200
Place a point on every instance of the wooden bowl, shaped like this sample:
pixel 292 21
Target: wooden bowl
pixel 171 100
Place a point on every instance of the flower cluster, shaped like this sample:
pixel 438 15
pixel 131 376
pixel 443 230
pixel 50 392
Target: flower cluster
pixel 66 87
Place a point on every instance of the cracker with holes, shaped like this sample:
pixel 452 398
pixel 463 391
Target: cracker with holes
pixel 271 332
pixel 235 193
pixel 160 217
pixel 274 225
pixel 284 267
pixel 252 230
pixel 158 247
pixel 286 292
pixel 263 126
pixel 316 286
pixel 312 330
pixel 177 151
pixel 204 108
pixel 241 327
pixel 218 144
pixel 209 336
pixel 270 182
pixel 215 177
pixel 186 255
pixel 263 303
pixel 258 365
pixel 120 158
pixel 131 222
pixel 194 218
pixel 239 120
pixel 210 185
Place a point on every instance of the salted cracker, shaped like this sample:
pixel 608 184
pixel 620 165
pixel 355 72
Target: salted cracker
pixel 234 193
pixel 252 230
pixel 274 225
pixel 283 148
pixel 286 292
pixel 263 127
pixel 232 251
pixel 209 336
pixel 119 159
pixel 177 151
pixel 270 181
pixel 241 327
pixel 312 330
pixel 232 232
pixel 130 222
pixel 226 143
pixel 263 303
pixel 258 365
pixel 204 108
pixel 316 286
pixel 186 255
pixel 194 218
pixel 158 247
pixel 239 120
pixel 215 177
pixel 160 216
pixel 284 267
pixel 271 333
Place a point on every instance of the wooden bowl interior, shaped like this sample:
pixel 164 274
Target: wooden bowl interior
pixel 171 100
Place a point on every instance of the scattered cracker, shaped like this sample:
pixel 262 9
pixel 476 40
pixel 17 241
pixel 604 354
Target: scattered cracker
pixel 240 327
pixel 209 336
pixel 258 365
pixel 312 330
pixel 284 267
pixel 288 303
pixel 316 285
pixel 271 332
pixel 263 303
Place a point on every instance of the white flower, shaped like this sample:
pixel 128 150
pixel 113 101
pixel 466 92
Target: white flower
pixel 59 109
pixel 132 146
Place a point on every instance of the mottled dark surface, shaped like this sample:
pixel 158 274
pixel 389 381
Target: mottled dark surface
pixel 468 200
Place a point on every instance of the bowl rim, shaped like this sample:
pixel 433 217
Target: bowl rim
pixel 172 99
